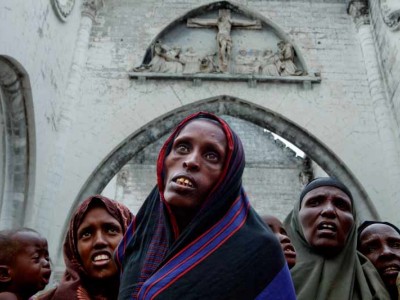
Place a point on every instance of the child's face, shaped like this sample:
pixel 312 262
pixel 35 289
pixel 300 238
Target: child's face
pixel 31 271
pixel 280 232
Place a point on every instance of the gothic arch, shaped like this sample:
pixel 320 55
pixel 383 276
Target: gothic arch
pixel 227 105
pixel 16 142
pixel 222 105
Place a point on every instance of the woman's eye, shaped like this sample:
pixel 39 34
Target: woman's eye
pixel 370 248
pixel 396 245
pixel 182 148
pixel 113 229
pixel 84 234
pixel 211 156
pixel 343 205
pixel 313 202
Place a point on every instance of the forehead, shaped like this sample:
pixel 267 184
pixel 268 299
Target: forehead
pixel 30 239
pixel 98 214
pixel 202 126
pixel 273 221
pixel 379 231
pixel 327 191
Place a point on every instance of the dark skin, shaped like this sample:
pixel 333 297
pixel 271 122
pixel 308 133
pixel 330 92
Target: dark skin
pixel 193 167
pixel 8 296
pixel 281 234
pixel 29 272
pixel 98 236
pixel 326 218
pixel 380 243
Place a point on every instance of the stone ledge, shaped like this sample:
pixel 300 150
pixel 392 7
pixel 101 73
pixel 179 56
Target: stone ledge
pixel 251 79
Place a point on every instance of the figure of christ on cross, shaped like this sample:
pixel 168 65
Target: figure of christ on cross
pixel 224 23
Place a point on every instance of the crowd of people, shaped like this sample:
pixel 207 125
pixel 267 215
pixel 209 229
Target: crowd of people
pixel 198 237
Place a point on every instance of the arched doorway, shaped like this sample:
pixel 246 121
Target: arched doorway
pixel 16 143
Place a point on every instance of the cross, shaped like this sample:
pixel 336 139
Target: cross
pixel 224 23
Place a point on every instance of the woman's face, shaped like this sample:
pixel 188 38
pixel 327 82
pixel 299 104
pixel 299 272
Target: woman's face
pixel 194 164
pixel 98 236
pixel 380 243
pixel 326 218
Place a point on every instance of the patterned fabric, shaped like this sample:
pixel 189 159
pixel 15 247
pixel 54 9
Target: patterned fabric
pixel 225 252
pixel 73 284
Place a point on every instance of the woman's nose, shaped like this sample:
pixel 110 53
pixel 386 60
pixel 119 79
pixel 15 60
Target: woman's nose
pixel 99 240
pixel 387 251
pixel 192 161
pixel 328 210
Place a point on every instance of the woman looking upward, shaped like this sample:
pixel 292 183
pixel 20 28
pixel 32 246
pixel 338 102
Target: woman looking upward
pixel 196 236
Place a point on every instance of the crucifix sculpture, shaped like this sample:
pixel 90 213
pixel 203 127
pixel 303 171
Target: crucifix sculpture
pixel 224 23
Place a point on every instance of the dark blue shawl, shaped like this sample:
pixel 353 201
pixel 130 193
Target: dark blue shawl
pixel 225 252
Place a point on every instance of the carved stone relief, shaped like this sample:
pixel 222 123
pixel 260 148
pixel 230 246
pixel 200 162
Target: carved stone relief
pixel 390 10
pixel 223 42
pixel 63 8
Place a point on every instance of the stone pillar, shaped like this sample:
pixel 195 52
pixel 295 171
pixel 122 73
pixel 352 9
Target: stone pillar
pixel 40 217
pixel 89 11
pixel 359 11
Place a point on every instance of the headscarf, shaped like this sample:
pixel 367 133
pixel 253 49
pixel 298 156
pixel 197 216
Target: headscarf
pixel 365 224
pixel 225 252
pixel 348 275
pixel 72 285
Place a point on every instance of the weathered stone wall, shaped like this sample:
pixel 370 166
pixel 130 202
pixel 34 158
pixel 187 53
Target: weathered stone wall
pixel 42 47
pixel 388 43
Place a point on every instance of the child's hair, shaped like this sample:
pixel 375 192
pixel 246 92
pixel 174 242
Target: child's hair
pixel 10 246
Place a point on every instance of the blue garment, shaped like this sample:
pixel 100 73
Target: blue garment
pixel 226 251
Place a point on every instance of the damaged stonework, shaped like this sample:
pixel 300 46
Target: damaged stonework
pixel 221 41
pixel 390 10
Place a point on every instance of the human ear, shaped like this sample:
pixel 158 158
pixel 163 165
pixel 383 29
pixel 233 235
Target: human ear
pixel 5 275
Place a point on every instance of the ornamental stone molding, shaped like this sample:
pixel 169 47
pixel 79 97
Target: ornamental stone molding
pixel 63 8
pixel 390 10
pixel 15 150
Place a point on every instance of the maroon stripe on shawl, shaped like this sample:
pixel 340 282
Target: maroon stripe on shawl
pixel 155 254
pixel 120 250
pixel 205 245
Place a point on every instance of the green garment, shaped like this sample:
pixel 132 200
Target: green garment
pixel 347 276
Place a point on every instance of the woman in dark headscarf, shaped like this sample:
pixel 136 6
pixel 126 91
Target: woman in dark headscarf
pixel 95 229
pixel 322 227
pixel 380 243
pixel 196 236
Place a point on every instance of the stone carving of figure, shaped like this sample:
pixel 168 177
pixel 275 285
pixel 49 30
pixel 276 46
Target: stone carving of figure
pixel 165 60
pixel 191 61
pixel 172 64
pixel 207 64
pixel 286 55
pixel 224 23
pixel 245 63
pixel 270 63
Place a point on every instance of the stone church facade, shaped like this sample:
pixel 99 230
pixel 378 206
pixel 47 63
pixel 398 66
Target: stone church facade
pixel 90 88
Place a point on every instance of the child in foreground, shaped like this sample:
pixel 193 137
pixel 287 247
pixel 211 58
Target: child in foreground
pixel 24 263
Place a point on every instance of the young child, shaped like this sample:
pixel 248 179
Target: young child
pixel 281 234
pixel 24 263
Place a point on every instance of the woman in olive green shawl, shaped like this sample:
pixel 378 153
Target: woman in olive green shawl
pixel 322 227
